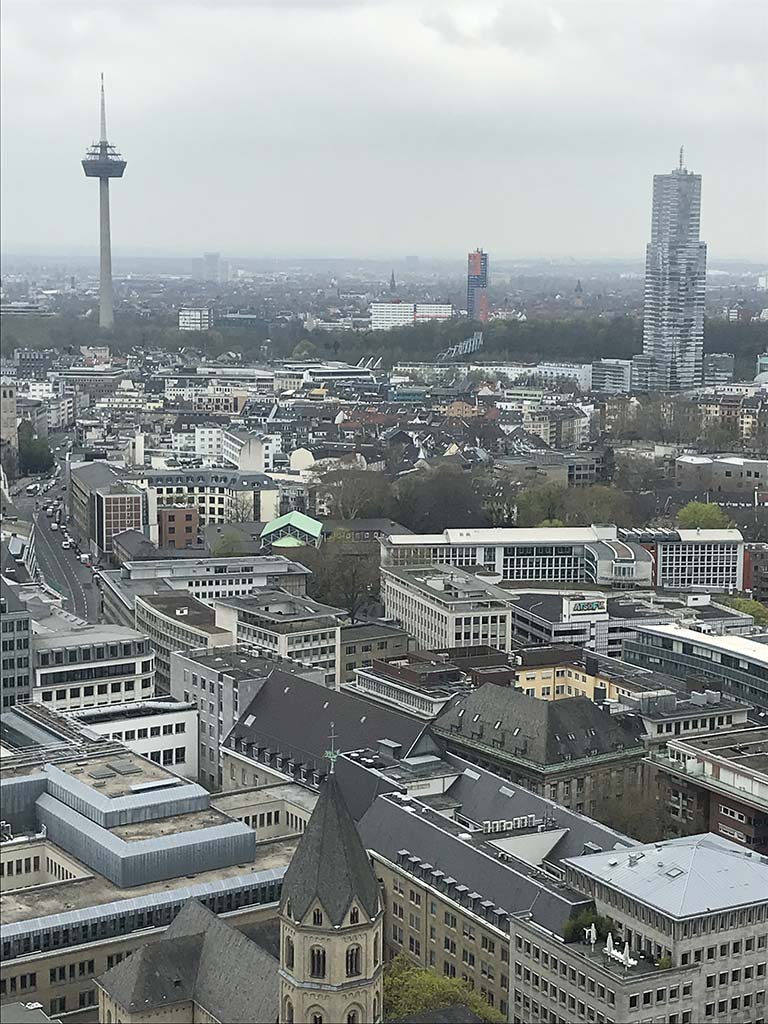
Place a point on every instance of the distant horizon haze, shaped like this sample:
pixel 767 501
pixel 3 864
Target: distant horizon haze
pixel 406 126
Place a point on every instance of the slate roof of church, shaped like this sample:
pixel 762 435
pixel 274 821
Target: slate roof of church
pixel 330 864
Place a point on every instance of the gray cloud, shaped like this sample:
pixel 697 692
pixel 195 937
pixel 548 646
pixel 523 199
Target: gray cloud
pixel 258 126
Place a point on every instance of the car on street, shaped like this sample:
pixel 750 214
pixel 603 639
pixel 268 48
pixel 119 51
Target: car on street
pixel 54 526
pixel 66 544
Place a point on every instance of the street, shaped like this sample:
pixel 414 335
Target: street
pixel 62 570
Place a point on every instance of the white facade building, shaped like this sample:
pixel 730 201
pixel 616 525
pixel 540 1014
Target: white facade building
pixel 195 318
pixel 443 607
pixel 613 376
pixel 280 625
pixel 708 560
pixel 165 731
pixel 89 666
pixel 592 554
pixel 385 316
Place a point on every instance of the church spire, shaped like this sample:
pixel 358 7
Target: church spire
pixel 330 865
pixel 392 283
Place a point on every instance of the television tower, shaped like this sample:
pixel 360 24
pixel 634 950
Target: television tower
pixel 103 161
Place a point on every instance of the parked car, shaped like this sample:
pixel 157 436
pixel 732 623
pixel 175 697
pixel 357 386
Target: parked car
pixel 66 544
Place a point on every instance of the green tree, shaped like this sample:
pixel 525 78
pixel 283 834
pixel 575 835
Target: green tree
pixel 429 501
pixel 702 515
pixel 411 990
pixel 345 574
pixel 355 494
pixel 304 350
pixel 597 504
pixel 744 604
pixel 34 454
pixel 538 504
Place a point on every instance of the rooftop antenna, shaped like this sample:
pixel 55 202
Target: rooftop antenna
pixel 681 158
pixel 103 122
pixel 332 754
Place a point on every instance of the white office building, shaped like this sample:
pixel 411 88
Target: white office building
pixel 195 318
pixel 88 666
pixel 612 376
pixel 283 626
pixel 444 607
pixel 385 316
pixel 165 731
pixel 592 554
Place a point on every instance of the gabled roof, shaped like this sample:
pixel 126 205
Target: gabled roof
pixel 199 958
pixel 544 732
pixel 297 520
pixel 294 715
pixel 330 864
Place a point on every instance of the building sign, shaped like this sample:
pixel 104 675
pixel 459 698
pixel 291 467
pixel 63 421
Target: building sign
pixel 588 606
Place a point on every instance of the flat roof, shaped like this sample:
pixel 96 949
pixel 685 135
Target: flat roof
pixel 363 630
pixel 173 825
pixel 686 877
pixel 184 609
pixel 238 662
pixel 544 535
pixel 78 636
pixel 118 775
pixel 746 746
pixel 95 890
pixel 293 792
pixel 741 646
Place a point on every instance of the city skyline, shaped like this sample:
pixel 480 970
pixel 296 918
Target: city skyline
pixel 565 158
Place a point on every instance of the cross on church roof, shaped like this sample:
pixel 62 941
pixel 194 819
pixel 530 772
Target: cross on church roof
pixel 333 753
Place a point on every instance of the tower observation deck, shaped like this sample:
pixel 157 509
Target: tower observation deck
pixel 103 161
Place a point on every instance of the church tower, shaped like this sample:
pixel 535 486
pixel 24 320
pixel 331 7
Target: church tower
pixel 331 922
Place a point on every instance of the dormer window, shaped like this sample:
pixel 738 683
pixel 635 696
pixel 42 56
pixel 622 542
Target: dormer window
pixel 317 917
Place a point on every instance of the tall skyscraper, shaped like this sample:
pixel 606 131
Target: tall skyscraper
pixel 212 266
pixel 103 161
pixel 477 285
pixel 675 278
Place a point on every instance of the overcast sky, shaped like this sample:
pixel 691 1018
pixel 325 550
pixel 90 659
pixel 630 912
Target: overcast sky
pixel 384 127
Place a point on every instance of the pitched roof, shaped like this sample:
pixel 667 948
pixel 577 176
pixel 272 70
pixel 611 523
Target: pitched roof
pixel 542 731
pixel 201 958
pixel 330 863
pixel 293 715
pixel 298 521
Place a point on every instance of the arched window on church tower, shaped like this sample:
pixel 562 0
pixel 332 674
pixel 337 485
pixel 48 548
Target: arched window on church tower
pixel 354 915
pixel 354 959
pixel 317 962
pixel 289 956
pixel 317 917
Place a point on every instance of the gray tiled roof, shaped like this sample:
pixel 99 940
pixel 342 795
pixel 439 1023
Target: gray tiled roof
pixel 330 863
pixel 389 826
pixel 544 732
pixel 199 958
pixel 293 714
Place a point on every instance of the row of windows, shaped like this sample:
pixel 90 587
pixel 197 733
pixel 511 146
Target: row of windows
pixel 73 692
pixel 83 969
pixel 18 983
pixel 155 730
